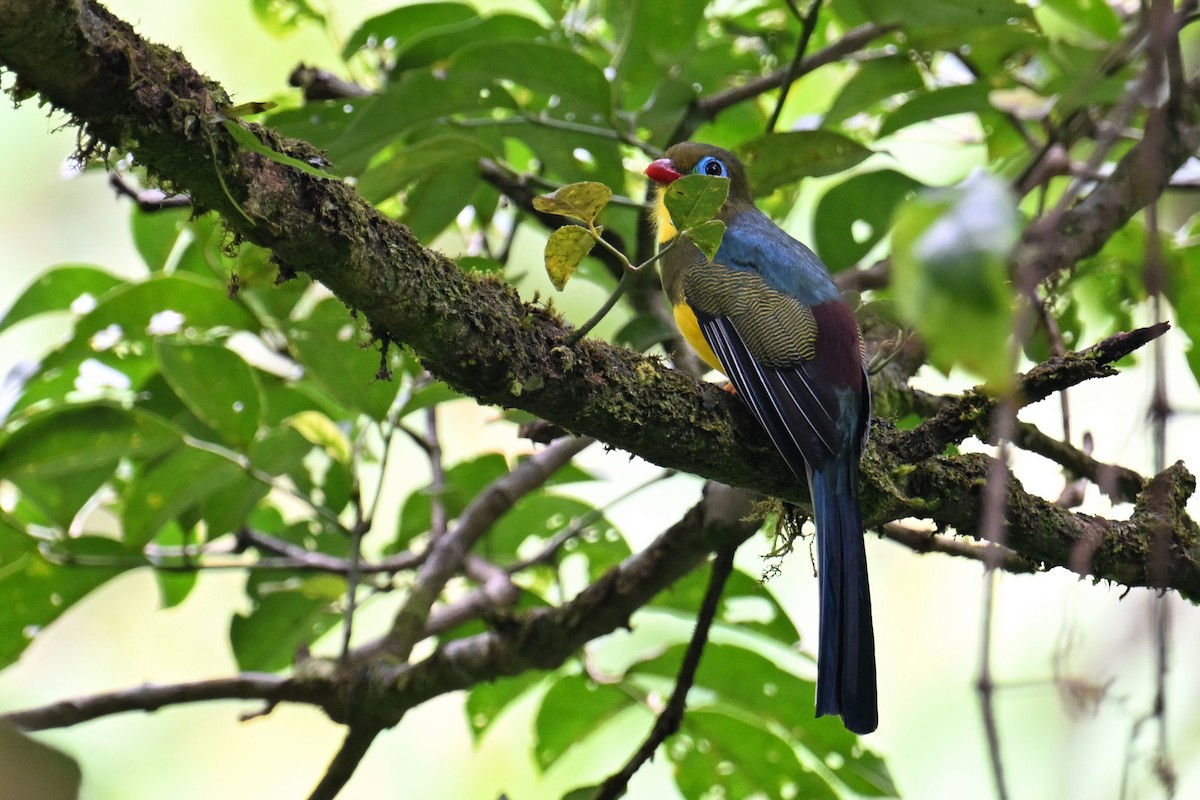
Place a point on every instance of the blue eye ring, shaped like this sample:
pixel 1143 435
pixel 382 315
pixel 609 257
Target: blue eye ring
pixel 711 165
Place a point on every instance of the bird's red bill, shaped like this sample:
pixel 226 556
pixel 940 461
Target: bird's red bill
pixel 663 171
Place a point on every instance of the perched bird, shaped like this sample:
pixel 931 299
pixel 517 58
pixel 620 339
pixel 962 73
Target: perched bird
pixel 766 313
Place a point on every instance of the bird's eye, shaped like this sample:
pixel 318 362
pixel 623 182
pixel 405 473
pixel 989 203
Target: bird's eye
pixel 712 166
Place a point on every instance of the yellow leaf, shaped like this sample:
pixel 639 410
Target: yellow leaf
pixel 565 249
pixel 582 201
pixel 323 432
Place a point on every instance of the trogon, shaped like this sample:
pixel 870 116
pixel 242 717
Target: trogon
pixel 766 313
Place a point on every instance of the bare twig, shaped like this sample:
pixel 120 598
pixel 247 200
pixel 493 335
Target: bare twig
pixel 318 84
pixel 247 686
pixel 931 542
pixel 437 469
pixel 987 688
pixel 148 200
pixel 1121 484
pixel 354 748
pixel 808 23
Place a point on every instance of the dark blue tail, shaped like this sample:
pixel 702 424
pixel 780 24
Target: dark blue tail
pixel 846 656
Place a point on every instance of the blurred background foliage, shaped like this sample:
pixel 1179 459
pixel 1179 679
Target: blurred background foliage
pixel 178 423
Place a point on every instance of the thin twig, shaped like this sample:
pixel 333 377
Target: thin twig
pixel 808 23
pixel 302 558
pixel 247 686
pixel 354 748
pixel 669 719
pixel 987 687
pixel 148 200
pixel 437 469
pixel 931 542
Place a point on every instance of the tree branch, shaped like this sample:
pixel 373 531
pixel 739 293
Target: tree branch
pixel 247 686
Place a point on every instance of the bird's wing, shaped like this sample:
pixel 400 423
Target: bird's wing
pixel 799 411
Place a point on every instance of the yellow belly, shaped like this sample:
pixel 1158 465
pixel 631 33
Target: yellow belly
pixel 689 326
pixel 685 318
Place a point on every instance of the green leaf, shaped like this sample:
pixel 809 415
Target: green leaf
pixel 34 591
pixel 435 201
pixel 405 23
pixel 340 361
pixel 282 622
pixel 582 793
pixel 777 159
pixel 747 605
pixel 707 236
pixel 971 98
pixel 574 708
pixel 431 394
pixel 61 500
pixel 216 385
pixel 565 249
pixel 463 482
pixel 657 38
pixel 695 199
pixel 544 514
pixel 155 234
pixel 280 452
pixel 439 45
pixel 243 136
pixel 58 290
pixel 939 14
pixel 1081 22
pixel 169 487
pixel 486 701
pixel 283 17
pixel 874 81
pixel 174 586
pixel 584 156
pixel 425 160
pixel 643 332
pixel 1183 292
pixel 725 754
pixel 201 304
pixel 950 274
pixel 548 69
pixel 582 201
pixel 114 376
pixel 758 689
pixel 67 441
pixel 417 99
pixel 855 215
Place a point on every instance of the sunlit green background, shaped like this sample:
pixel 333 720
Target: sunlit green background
pixel 927 608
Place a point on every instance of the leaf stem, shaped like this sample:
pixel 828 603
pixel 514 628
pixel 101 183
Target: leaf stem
pixel 622 285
